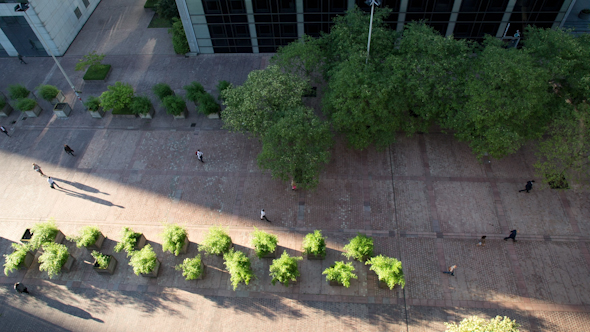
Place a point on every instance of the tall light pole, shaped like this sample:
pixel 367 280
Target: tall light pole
pixel 22 7
pixel 371 3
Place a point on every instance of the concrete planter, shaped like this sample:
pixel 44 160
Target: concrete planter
pixel 109 270
pixel 148 115
pixel 182 115
pixel 140 242
pixel 185 246
pixel 59 98
pixel 6 110
pixel 62 110
pixel 382 284
pixel 97 114
pixel 101 81
pixel 59 238
pixel 313 257
pixel 34 112
pixel 271 255
pixel 335 283
pixel 69 263
pixel 204 272
pixel 154 273
pixel 213 116
pixel 26 263
pixel 97 244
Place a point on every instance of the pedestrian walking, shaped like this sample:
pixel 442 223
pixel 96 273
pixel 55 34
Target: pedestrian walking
pixel 528 187
pixel 512 235
pixel 293 185
pixel 2 129
pixel 263 215
pixel 20 288
pixel 68 150
pixel 52 183
pixel 451 270
pixel 482 242
pixel 37 169
pixel 200 155
pixel 20 57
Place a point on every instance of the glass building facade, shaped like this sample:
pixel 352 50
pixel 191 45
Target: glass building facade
pixel 261 26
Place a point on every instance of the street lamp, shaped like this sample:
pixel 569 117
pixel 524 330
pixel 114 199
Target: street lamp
pixel 371 3
pixel 22 7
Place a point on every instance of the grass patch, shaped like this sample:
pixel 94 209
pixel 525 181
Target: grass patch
pixel 125 111
pixel 158 22
pixel 150 4
pixel 97 72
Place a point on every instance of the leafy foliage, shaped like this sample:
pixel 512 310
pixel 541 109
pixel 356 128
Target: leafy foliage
pixel 26 104
pixel 54 256
pixel 341 272
pixel 143 261
pixel 97 73
pixel 102 259
pixel 194 91
pixel 264 243
pixel 179 41
pixel 162 90
pixel 192 268
pixel 208 105
pixel 388 269
pixel 128 241
pixel 118 96
pixel 216 242
pixel 476 324
pixel 238 266
pixel 174 237
pixel 221 86
pixel 87 237
pixel 141 105
pixel 89 60
pixel 92 103
pixel 167 9
pixel 314 244
pixel 43 232
pixel 48 92
pixel 2 102
pixel 174 105
pixel 17 91
pixel 359 248
pixel 284 269
pixel 16 258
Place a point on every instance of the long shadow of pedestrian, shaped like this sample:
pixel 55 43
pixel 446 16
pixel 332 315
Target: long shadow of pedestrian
pixel 80 186
pixel 66 308
pixel 89 198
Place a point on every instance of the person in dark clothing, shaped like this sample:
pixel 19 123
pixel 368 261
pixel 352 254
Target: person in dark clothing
pixel 512 235
pixel 528 187
pixel 69 150
pixel 20 57
pixel 20 288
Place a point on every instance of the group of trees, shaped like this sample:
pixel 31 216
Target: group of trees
pixel 491 96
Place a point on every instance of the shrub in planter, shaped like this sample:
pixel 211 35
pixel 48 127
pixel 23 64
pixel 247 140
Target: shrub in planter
pixel 48 92
pixel 388 270
pixel 341 273
pixel 194 91
pixel 118 97
pixel 43 232
pixel 141 105
pixel 89 60
pixel 174 105
pixel 87 237
pixel 222 86
pixel 174 238
pixel 284 269
pixel 238 266
pixel 314 244
pixel 16 259
pixel 144 261
pixel 104 264
pixel 264 243
pixel 179 41
pixel 129 240
pixel 216 242
pixel 26 104
pixel 54 256
pixel 92 103
pixel 359 248
pixel 17 91
pixel 208 105
pixel 162 90
pixel 2 102
pixel 192 268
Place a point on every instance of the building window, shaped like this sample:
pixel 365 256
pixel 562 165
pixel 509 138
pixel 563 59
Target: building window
pixel 78 12
pixel 86 3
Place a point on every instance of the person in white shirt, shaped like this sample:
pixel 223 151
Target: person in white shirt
pixel 200 156
pixel 263 215
pixel 52 183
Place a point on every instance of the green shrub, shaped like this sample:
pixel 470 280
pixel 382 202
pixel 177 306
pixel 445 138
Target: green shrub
pixel 15 259
pixel 388 269
pixel 264 243
pixel 314 244
pixel 43 232
pixel 128 241
pixel 141 105
pixel 54 256
pixel 192 268
pixel 284 269
pixel 48 92
pixel 26 104
pixel 194 91
pixel 173 237
pixel 92 103
pixel 102 259
pixel 89 60
pixel 150 4
pixel 118 96
pixel 88 236
pixel 17 91
pixel 222 86
pixel 360 248
pixel 341 273
pixel 143 261
pixel 167 9
pixel 208 105
pixel 162 90
pixel 97 73
pixel 216 242
pixel 174 105
pixel 238 266
pixel 2 102
pixel 476 324
pixel 179 41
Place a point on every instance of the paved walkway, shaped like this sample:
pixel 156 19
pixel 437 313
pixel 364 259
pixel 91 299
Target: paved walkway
pixel 425 200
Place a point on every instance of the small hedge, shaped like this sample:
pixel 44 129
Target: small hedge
pixel 17 91
pixel 87 237
pixel 192 268
pixel 179 40
pixel 123 111
pixel 92 103
pixel 359 248
pixel 97 72
pixel 48 92
pixel 150 4
pixel 26 104
pixel 54 257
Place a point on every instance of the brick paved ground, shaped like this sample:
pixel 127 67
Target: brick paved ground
pixel 425 200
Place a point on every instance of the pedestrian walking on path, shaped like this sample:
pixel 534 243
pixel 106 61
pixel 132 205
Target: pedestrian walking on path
pixel 37 169
pixel 200 155
pixel 52 183
pixel 512 235
pixel 4 130
pixel 293 185
pixel 451 270
pixel 20 288
pixel 482 242
pixel 20 57
pixel 68 150
pixel 528 187
pixel 263 215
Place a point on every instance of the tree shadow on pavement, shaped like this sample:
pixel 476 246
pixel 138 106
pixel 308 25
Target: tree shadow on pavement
pixel 277 308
